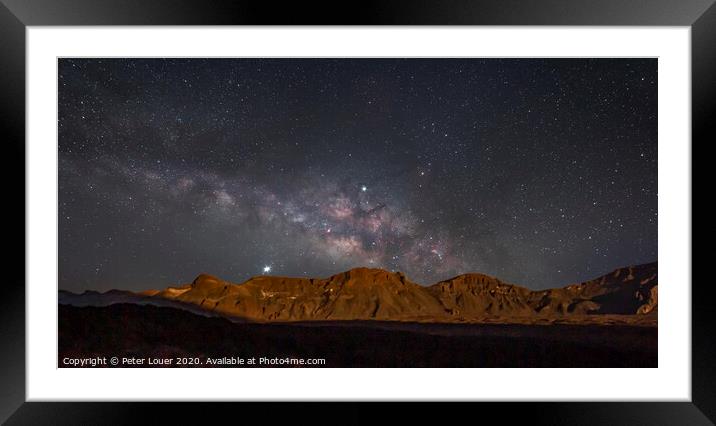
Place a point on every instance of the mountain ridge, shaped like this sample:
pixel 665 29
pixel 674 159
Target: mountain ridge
pixel 376 294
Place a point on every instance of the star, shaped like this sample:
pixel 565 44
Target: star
pixel 267 269
pixel 364 188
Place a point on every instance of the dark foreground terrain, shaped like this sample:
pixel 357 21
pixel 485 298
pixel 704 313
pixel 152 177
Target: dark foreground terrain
pixel 130 330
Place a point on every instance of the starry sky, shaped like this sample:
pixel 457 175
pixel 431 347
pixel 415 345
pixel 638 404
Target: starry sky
pixel 542 172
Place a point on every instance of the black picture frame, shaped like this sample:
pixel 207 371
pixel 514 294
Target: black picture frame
pixel 16 15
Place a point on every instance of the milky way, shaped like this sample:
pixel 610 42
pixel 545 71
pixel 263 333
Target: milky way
pixel 541 172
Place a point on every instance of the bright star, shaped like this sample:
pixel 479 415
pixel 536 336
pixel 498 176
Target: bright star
pixel 267 269
pixel 364 188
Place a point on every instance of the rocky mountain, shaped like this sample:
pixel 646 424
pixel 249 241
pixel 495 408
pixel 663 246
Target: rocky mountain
pixel 360 293
pixel 376 294
pixel 478 295
pixel 625 291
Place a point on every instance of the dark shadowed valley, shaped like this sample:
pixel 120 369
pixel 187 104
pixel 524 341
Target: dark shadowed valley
pixel 127 330
pixel 374 318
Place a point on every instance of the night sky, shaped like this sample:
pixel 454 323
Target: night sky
pixel 541 172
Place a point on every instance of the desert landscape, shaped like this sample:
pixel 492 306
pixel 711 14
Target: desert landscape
pixel 357 212
pixel 375 318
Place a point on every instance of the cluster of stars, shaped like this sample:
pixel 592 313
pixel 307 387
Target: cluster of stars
pixel 539 171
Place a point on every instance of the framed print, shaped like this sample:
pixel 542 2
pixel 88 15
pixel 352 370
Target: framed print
pixel 393 205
